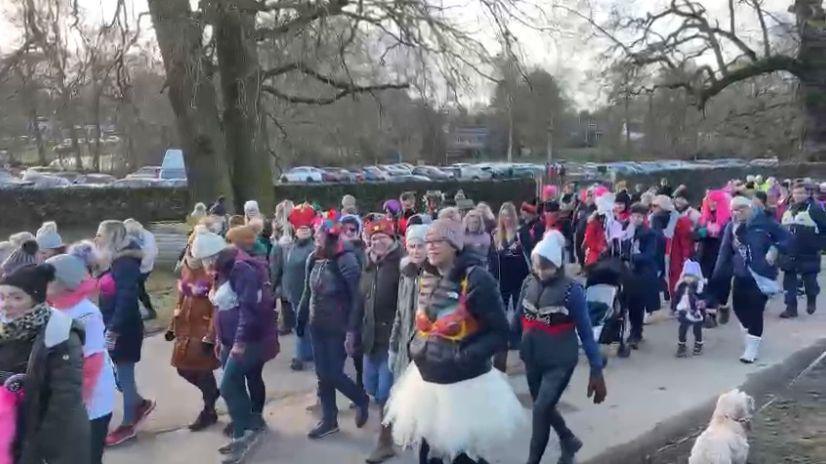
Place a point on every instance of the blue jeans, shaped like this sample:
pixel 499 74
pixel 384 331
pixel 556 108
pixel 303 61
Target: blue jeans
pixel 125 372
pixel 377 376
pixel 304 347
pixel 329 357
pixel 234 385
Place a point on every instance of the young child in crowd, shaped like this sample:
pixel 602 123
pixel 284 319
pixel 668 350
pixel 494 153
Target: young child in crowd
pixel 689 303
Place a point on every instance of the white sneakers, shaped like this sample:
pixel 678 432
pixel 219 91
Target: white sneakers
pixel 752 349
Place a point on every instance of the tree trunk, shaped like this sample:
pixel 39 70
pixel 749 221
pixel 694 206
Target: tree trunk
pixel 243 117
pixel 192 96
pixel 812 88
pixel 96 95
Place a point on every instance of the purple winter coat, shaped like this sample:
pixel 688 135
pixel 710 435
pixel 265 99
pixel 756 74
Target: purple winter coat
pixel 254 319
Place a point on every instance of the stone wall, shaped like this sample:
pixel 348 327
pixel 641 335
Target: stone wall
pixel 27 208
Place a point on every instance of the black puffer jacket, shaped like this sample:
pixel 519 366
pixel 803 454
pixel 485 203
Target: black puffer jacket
pixel 380 291
pixel 461 354
pixel 53 421
pixel 331 297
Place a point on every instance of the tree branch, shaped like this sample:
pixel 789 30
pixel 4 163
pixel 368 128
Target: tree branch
pixel 350 90
pixel 310 14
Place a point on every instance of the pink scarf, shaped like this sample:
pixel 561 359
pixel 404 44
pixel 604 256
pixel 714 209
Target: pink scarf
pixel 9 404
pixel 86 289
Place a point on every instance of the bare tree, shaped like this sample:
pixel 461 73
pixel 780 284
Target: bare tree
pixel 706 57
pixel 309 61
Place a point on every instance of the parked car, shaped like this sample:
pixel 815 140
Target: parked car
pixel 432 172
pixel 7 180
pixel 395 170
pixel 470 172
pixel 146 172
pixel 373 173
pixel 39 180
pixel 303 174
pixel 95 179
pixel 333 174
pixel 135 182
pixel 409 178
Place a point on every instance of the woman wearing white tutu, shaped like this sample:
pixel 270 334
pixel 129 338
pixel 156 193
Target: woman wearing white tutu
pixel 449 401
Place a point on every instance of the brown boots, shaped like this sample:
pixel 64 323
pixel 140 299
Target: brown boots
pixel 384 447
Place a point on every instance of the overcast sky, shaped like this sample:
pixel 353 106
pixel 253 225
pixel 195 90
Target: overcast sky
pixel 568 54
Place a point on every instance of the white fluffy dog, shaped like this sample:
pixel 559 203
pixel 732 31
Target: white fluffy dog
pixel 725 440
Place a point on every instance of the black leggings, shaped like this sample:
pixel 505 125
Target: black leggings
pixel 546 388
pixel 748 303
pixel 697 327
pixel 204 381
pixel 99 428
pixel 424 457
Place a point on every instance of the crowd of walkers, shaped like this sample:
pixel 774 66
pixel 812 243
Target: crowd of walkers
pixel 426 296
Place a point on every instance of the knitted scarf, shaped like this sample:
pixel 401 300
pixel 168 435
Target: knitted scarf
pixel 27 326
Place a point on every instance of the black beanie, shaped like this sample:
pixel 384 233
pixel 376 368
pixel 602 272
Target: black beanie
pixel 623 197
pixel 32 280
pixel 639 208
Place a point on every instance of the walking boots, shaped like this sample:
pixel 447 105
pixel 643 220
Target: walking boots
pixel 811 305
pixel 384 447
pixel 790 312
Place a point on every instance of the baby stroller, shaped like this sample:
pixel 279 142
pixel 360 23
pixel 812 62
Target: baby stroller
pixel 603 295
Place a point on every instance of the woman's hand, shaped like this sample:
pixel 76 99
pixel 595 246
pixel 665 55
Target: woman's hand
pixel 238 350
pixel 597 389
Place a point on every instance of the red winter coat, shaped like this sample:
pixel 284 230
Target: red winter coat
pixel 682 248
pixel 594 242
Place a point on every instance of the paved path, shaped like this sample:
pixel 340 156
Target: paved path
pixel 649 387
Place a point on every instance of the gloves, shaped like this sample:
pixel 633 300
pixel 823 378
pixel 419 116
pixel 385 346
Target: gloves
pixel 169 335
pixel 597 389
pixel 391 358
pixel 350 343
pixel 15 382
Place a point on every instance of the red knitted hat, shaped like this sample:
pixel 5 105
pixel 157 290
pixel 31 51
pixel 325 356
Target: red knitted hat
pixel 384 225
pixel 302 216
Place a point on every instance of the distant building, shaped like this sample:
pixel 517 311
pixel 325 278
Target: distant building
pixel 467 142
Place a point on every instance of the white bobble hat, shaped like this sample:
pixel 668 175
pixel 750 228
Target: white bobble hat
pixel 206 243
pixel 550 247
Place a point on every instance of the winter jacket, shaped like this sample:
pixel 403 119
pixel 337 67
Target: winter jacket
pixel 118 303
pixel 252 319
pixel 552 313
pixel 331 296
pixel 53 426
pixel 746 248
pixel 192 322
pixel 287 265
pixel 380 293
pixel 403 324
pixel 641 282
pixel 806 223
pixel 682 249
pixel 594 242
pixel 460 323
pixel 529 235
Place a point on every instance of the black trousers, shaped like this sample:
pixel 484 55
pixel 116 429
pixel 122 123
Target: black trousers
pixel 99 428
pixel 546 387
pixel 748 303
pixel 790 281
pixel 424 457
pixel 287 315
pixel 143 296
pixel 204 381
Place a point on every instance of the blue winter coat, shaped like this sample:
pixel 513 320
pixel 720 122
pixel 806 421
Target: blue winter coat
pixel 755 237
pixel 805 222
pixel 120 310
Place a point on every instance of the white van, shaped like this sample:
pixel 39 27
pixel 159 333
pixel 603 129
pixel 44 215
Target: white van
pixel 173 165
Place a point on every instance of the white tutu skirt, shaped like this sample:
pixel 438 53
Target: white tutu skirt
pixel 475 416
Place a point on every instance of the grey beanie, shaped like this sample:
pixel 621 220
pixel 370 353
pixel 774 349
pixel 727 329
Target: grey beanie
pixel 24 255
pixel 48 238
pixel 70 270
